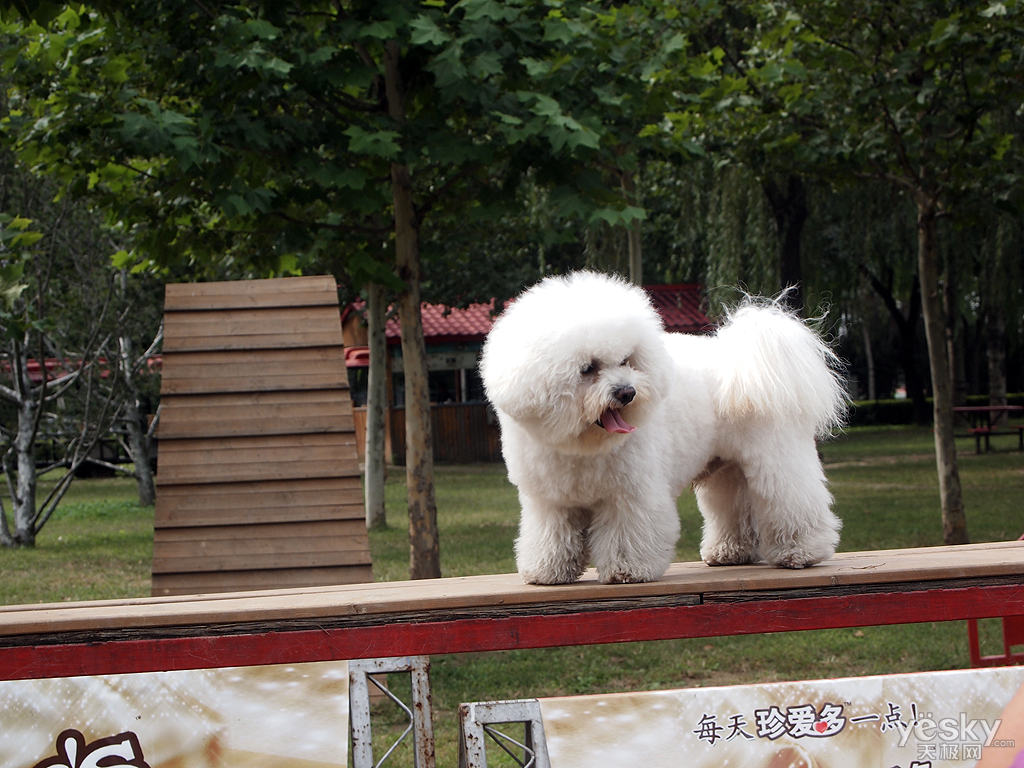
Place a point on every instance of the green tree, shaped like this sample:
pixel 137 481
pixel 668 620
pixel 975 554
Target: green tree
pixel 865 237
pixel 53 342
pixel 911 94
pixel 279 136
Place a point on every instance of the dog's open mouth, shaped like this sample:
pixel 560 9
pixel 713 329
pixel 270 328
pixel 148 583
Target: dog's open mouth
pixel 611 421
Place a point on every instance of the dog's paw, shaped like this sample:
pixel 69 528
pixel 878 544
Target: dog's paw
pixel 621 577
pixel 799 554
pixel 549 576
pixel 795 561
pixel 727 554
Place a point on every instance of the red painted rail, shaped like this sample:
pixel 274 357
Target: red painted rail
pixel 500 613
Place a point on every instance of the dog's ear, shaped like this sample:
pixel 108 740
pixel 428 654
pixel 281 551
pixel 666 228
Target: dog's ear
pixel 517 380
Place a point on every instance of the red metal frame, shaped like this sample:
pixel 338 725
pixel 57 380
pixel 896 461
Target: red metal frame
pixel 1013 635
pixel 458 635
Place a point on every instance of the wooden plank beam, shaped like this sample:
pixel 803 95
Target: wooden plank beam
pixel 257 458
pixel 245 371
pixel 206 582
pixel 500 613
pixel 261 502
pixel 857 570
pixel 286 292
pixel 273 644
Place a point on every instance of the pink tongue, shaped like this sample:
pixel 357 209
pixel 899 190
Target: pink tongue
pixel 613 422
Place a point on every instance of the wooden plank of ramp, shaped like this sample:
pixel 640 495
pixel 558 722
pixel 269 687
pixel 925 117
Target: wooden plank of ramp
pixel 258 477
pixel 499 612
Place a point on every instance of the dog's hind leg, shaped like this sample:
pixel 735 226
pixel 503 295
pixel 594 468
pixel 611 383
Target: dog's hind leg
pixel 552 546
pixel 792 506
pixel 724 501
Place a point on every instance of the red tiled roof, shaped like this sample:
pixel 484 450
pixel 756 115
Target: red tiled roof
pixel 442 323
pixel 679 306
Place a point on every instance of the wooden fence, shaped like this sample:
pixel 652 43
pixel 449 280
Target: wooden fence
pixel 463 433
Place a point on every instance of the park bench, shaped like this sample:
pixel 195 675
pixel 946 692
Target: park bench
pixel 985 423
pixel 983 434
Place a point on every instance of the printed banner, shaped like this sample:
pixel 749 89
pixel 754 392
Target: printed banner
pixel 293 715
pixel 925 720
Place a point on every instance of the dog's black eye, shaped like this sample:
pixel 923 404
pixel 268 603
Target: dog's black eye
pixel 624 361
pixel 589 368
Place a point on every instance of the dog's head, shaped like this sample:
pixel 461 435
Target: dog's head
pixel 578 361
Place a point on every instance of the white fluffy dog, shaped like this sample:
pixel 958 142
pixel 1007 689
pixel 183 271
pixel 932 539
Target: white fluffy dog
pixel 606 418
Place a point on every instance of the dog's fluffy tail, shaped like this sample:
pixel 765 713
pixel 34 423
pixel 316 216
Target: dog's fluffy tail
pixel 773 363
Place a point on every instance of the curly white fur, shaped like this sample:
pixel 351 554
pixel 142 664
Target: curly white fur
pixel 605 419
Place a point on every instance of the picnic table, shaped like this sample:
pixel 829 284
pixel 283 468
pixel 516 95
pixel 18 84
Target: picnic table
pixel 984 422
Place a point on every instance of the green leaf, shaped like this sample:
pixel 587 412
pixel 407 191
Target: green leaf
pixel 116 70
pixel 677 42
pixel 381 30
pixel 486 64
pixel 377 143
pixel 364 269
pixel 447 66
pixel 1002 146
pixel 558 31
pixel 426 32
pixel 122 259
pixel 25 239
pixel 624 216
pixel 507 119
pixel 476 10
pixel 535 68
pixel 289 265
pixel 262 29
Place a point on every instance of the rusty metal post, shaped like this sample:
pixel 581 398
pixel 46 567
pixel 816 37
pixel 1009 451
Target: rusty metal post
pixel 474 722
pixel 419 713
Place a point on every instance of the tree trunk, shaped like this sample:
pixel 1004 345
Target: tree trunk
pixel 21 478
pixel 906 326
pixel 954 522
pixel 954 332
pixel 138 444
pixel 376 396
pixel 24 503
pixel 870 357
pixel 633 234
pixel 424 550
pixel 138 440
pixel 789 210
pixel 997 283
pixel 997 359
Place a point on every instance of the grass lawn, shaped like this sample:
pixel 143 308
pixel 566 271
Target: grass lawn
pixel 99 545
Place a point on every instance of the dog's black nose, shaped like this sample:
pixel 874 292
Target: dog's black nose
pixel 624 395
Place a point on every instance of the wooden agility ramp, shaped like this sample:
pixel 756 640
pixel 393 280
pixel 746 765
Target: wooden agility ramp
pixel 258 482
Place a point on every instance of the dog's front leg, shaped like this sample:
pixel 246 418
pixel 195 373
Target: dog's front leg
pixel 552 546
pixel 634 540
